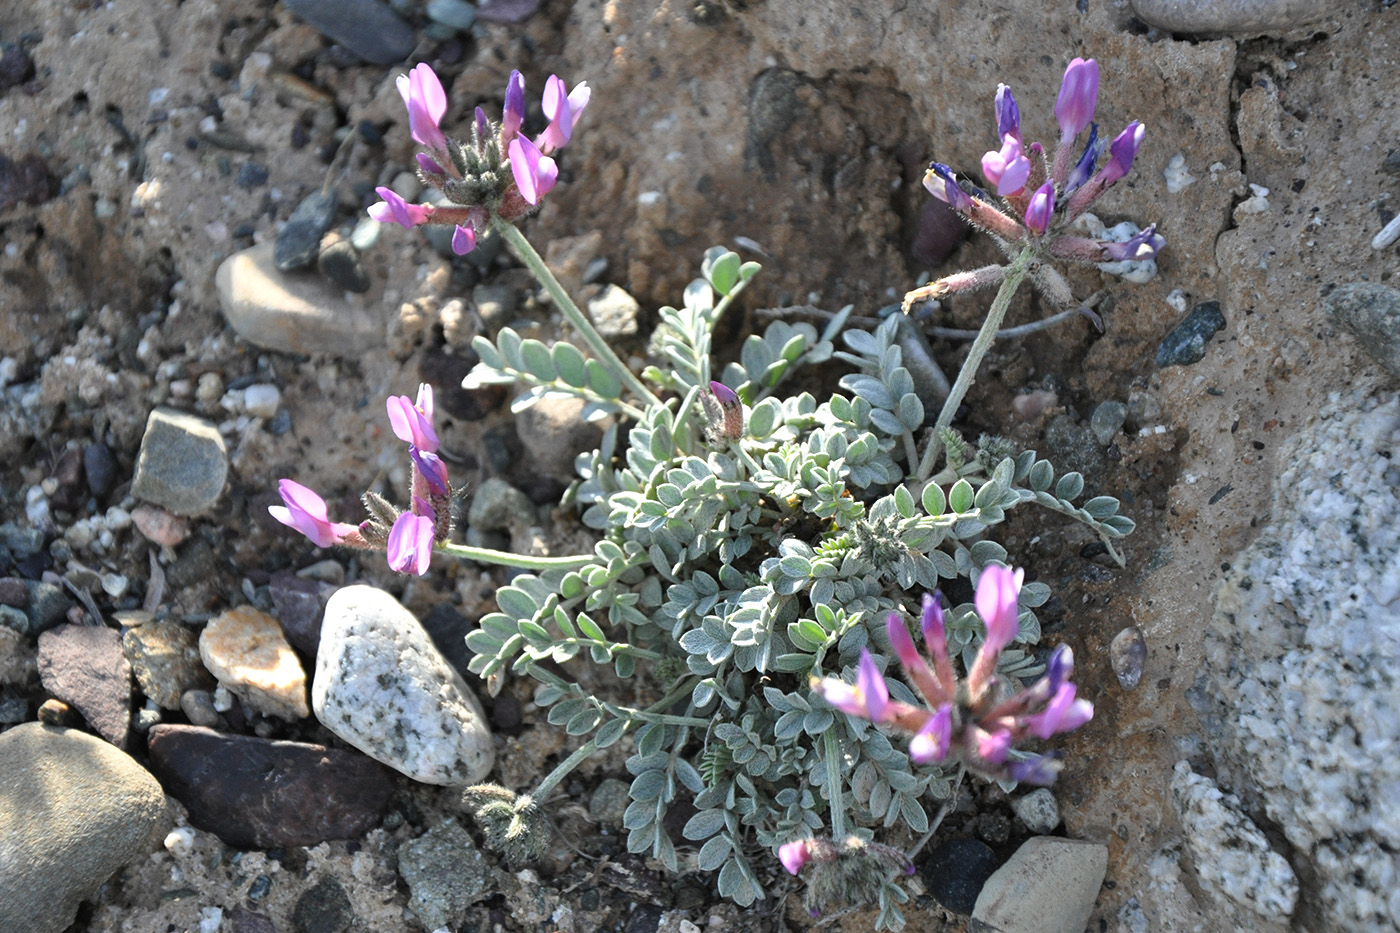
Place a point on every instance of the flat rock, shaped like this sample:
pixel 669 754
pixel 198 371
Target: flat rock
pixel 1371 311
pixel 299 603
pixel 381 686
pixel 247 652
pixel 614 312
pixel 1049 886
pixel 165 658
pixel 368 28
pixel 292 313
pixel 73 809
pixel 258 794
pixel 446 874
pixel 1186 343
pixel 300 237
pixel 183 463
pixel 1253 17
pixel 83 665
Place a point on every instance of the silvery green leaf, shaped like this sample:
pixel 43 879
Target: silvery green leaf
pixel 764 417
pixel 508 341
pixel 648 785
pixel 913 814
pixel 788 726
pixel 1119 524
pixel 713 853
pixel 862 342
pixel 584 722
pixel 1033 595
pixel 1069 487
pixel 602 380
pixel 537 360
pixel 749 269
pixel 698 296
pixel 561 713
pixel 870 389
pixel 639 815
pixel 721 268
pixel 886 421
pixel 610 733
pixel 569 364
pixel 911 411
pixel 516 602
pixel 755 356
pixel 703 825
pixel 933 500
pixel 817 721
pixel 961 496
pixel 1101 506
pixel 487 353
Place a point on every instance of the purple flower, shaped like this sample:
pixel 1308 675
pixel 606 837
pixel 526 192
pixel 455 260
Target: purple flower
pixel 1084 169
pixel 1142 246
pixel 413 421
pixel 513 113
pixel 997 591
pixel 943 185
pixel 394 209
pixel 1060 666
pixel 433 469
pixel 868 698
pixel 411 543
pixel 1062 714
pixel 1041 208
pixel 426 102
pixel 1079 91
pixel 993 746
pixel 723 394
pixel 483 125
pixel 1122 151
pixel 1007 169
pixel 1040 770
pixel 794 855
pixel 933 739
pixel 463 240
pixel 306 512
pixel 535 173
pixel 1008 114
pixel 562 108
pixel 428 164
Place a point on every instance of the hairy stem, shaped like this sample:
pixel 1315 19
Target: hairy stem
pixel 1014 274
pixel 831 749
pixel 486 555
pixel 535 263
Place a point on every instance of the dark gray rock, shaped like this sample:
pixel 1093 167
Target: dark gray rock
pixel 340 263
pixel 323 909
pixel 251 175
pixel 83 666
pixel 1107 420
pixel 100 468
pixel 183 463
pixel 1371 311
pixel 368 28
pixel 1186 344
pixel 496 505
pixel 21 540
pixel 446 874
pixel 299 240
pixel 455 13
pixel 1073 447
pixel 299 604
pixel 260 794
pixel 955 872
pixel 48 606
pixel 73 809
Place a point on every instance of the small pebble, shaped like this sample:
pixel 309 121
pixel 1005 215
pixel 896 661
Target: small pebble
pixel 1107 420
pixel 251 175
pixel 198 707
pixel 261 400
pixel 614 313
pixel 179 842
pixel 100 468
pixel 365 234
pixel 183 463
pixel 1128 653
pixel 340 263
pixel 368 28
pixel 455 13
pixel 300 238
pixel 1186 344
pixel 159 526
pixel 1038 810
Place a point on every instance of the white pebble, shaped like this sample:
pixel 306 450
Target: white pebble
pixel 223 699
pixel 1177 300
pixel 1388 235
pixel 1177 175
pixel 261 400
pixel 115 584
pixel 179 842
pixel 210 919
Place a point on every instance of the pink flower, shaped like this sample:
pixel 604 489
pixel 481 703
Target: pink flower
pixel 1007 169
pixel 413 421
pixel 513 113
pixel 535 173
pixel 932 741
pixel 426 102
pixel 1062 714
pixel 1122 151
pixel 1079 92
pixel 793 855
pixel 463 240
pixel 394 209
pixel 1041 208
pixel 997 591
pixel 306 512
pixel 410 547
pixel 993 747
pixel 562 108
pixel 868 698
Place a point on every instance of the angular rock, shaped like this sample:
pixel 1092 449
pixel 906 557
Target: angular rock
pixel 300 238
pixel 1251 17
pixel 247 652
pixel 446 874
pixel 159 526
pixel 83 665
pixel 73 810
pixel 341 264
pixel 614 312
pixel 48 605
pixel 381 686
pixel 1049 886
pixel 553 433
pixel 1186 343
pixel 496 505
pixel 368 28
pixel 1371 311
pixel 182 464
pixel 260 794
pixel 165 658
pixel 18 666
pixel 1233 859
pixel 1107 420
pixel 1038 810
pixel 299 604
pixel 292 313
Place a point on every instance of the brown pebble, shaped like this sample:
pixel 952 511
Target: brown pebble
pixel 1127 653
pixel 159 526
pixel 56 713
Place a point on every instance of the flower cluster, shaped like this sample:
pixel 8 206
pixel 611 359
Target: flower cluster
pixel 408 538
pixel 1039 198
pixel 473 173
pixel 969 720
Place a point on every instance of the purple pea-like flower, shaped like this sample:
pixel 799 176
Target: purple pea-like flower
pixel 535 173
pixel 1121 153
pixel 794 855
pixel 394 209
pixel 997 591
pixel 426 101
pixel 463 240
pixel 1142 246
pixel 1008 114
pixel 306 512
pixel 1084 169
pixel 1079 92
pixel 1039 770
pixel 562 107
pixel 868 698
pixel 932 741
pixel 413 421
pixel 433 469
pixel 1062 714
pixel 1060 666
pixel 513 113
pixel 1040 209
pixel 429 165
pixel 943 185
pixel 410 547
pixel 1007 169
pixel 993 746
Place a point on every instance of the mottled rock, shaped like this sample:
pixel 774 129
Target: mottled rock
pixel 496 505
pixel 183 463
pixel 1107 420
pixel 18 664
pixel 1248 17
pixel 381 686
pixel 1073 446
pixel 1038 810
pixel 83 665
pixel 955 872
pixel 247 652
pixel 1186 344
pixel 614 313
pixel 1300 673
pixel 323 909
pixel 1049 886
pixel 160 526
pixel 73 810
pixel 368 28
pixel 48 605
pixel 198 707
pixel 165 658
pixel 259 794
pixel 1232 858
pixel 1127 654
pixel 446 874
pixel 341 264
pixel 609 801
pixel 292 313
pixel 1371 311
